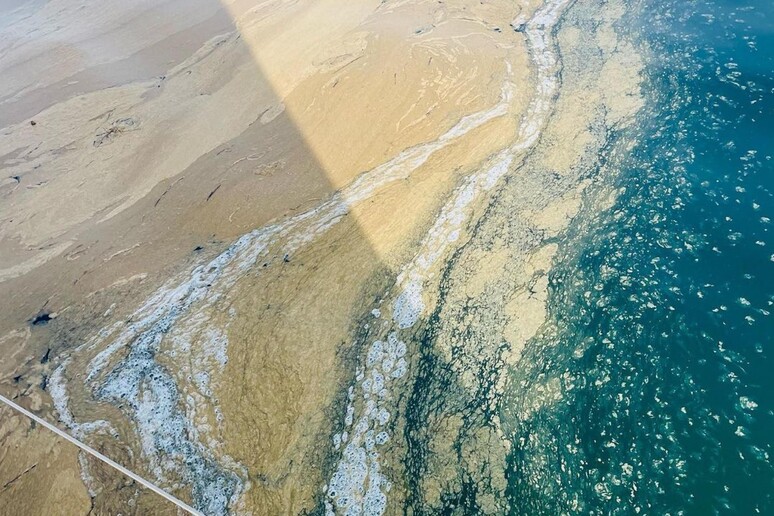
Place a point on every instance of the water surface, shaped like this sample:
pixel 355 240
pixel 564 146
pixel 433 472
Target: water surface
pixel 650 390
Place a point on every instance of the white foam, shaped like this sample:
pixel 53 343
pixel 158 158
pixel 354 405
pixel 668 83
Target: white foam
pixel 356 486
pixel 88 480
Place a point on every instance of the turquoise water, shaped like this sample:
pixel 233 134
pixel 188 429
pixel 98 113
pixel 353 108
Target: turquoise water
pixel 651 389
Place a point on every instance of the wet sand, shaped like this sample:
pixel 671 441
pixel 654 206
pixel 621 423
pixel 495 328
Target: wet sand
pixel 273 256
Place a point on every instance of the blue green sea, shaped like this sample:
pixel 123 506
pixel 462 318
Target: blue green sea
pixel 651 389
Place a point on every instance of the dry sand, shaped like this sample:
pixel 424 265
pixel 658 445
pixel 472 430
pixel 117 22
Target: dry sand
pixel 209 200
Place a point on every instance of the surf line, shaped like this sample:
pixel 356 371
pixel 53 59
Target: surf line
pixel 94 453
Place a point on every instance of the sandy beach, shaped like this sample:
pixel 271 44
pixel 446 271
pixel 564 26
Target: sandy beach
pixel 274 256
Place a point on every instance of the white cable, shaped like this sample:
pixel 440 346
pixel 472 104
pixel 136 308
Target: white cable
pixel 106 460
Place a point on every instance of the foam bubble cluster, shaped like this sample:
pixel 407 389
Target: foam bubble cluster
pixel 408 305
pixel 358 483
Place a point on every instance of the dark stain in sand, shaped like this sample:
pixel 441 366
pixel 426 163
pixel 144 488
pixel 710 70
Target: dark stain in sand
pixel 41 319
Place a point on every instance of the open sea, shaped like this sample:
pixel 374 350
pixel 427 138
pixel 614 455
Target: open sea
pixel 651 389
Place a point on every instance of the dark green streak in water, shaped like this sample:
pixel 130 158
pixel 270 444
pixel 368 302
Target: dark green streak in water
pixel 651 389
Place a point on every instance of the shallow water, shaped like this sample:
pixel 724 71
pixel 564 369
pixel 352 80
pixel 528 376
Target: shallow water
pixel 650 388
